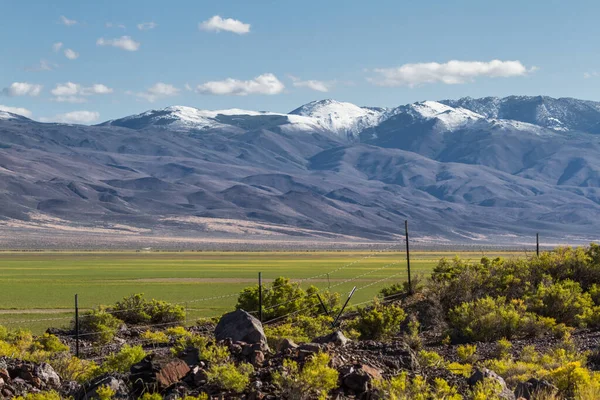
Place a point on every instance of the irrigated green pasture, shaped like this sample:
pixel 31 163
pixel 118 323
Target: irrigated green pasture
pixel 40 286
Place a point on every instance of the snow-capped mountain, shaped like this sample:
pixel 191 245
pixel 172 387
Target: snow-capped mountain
pixel 9 115
pixel 563 114
pixel 460 169
pixel 344 119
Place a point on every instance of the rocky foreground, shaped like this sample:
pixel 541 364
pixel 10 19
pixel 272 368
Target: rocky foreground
pixel 358 364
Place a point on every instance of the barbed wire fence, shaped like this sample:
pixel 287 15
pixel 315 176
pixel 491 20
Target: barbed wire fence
pixel 76 318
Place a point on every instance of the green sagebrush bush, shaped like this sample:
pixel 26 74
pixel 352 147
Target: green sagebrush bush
pixel 402 387
pixel 378 321
pixel 301 329
pixel 21 343
pixel 71 368
pixel 228 376
pixel 283 297
pixel 99 325
pixel 313 381
pixel 123 360
pixel 564 301
pixel 136 310
pixel 490 319
pixel 50 395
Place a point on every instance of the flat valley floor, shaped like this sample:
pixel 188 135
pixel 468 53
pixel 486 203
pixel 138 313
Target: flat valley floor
pixel 37 289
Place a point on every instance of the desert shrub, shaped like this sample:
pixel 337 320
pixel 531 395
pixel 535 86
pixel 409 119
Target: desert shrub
pixel 401 387
pixel 411 337
pixel 570 377
pixel 156 337
pixel 503 348
pixel 151 396
pixel 105 393
pixel 228 376
pixel 301 329
pixel 430 359
pixel 21 343
pixel 314 381
pixel 50 395
pixel 487 389
pixel 123 360
pixel 418 284
pixel 192 340
pixel 3 333
pixel 489 319
pixel 215 354
pixel 283 297
pixel 50 343
pixel 465 370
pixel 178 331
pixel 466 353
pixel 594 291
pixel 201 396
pixel 207 350
pixel 531 363
pixel 99 325
pixel 71 368
pixel 378 321
pixel 564 301
pixel 136 310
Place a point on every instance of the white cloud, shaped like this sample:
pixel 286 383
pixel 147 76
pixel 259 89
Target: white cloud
pixel 263 84
pixel 218 24
pixel 74 117
pixel 124 42
pixel 71 54
pixel 111 25
pixel 44 65
pixel 319 86
pixel 591 74
pixel 158 90
pixel 452 72
pixel 146 26
pixel 66 21
pixel 17 110
pixel 22 89
pixel 72 92
pixel 57 46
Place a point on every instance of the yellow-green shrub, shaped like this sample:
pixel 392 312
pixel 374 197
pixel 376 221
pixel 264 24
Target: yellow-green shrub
pixel 302 329
pixel 50 395
pixel 156 337
pixel 564 301
pixel 314 381
pixel 124 359
pixel 71 368
pixel 105 393
pixel 401 387
pixel 378 321
pixel 489 319
pixel 466 353
pixel 99 325
pixel 228 376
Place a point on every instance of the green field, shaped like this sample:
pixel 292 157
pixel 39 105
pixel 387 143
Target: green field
pixel 38 288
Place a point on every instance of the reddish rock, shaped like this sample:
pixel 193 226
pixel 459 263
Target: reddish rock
pixel 172 372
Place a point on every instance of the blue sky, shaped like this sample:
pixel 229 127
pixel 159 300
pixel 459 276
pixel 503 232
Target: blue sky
pixel 278 55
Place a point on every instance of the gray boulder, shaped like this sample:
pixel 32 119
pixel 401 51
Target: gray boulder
pixel 486 374
pixel 240 326
pixel 116 383
pixel 534 388
pixel 336 338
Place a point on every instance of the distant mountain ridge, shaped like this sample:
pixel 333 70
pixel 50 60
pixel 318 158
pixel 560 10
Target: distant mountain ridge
pixel 467 170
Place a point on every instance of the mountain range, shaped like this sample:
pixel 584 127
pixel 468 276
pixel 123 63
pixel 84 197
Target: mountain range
pixel 468 170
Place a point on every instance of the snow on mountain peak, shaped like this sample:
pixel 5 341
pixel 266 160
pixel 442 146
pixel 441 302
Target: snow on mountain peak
pixel 448 118
pixel 340 117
